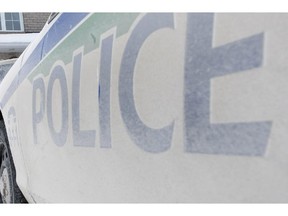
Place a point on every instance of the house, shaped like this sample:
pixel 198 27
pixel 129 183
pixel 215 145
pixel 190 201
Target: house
pixel 17 30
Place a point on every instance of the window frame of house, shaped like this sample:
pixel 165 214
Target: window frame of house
pixel 3 23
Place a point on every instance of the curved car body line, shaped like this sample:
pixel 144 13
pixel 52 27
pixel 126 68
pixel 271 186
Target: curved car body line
pixel 151 107
pixel 64 24
pixel 25 64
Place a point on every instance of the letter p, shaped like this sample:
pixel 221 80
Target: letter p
pixel 37 115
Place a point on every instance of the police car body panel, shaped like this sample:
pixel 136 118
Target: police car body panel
pixel 151 108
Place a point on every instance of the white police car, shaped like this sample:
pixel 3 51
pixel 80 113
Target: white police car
pixel 157 107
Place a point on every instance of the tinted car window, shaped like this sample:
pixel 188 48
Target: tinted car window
pixel 5 67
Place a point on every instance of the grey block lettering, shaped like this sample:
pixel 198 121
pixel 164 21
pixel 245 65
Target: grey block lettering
pixel 84 138
pixel 202 62
pixel 37 115
pixel 104 92
pixel 60 137
pixel 148 139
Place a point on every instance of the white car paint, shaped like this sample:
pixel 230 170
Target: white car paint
pixel 201 117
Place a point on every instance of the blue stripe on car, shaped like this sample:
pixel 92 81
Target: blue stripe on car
pixel 61 27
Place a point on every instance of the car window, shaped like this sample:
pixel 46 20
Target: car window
pixel 52 16
pixel 5 66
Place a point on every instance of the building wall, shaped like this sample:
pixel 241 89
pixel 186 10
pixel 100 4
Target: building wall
pixel 34 22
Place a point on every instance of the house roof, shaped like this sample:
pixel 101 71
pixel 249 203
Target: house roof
pixel 15 42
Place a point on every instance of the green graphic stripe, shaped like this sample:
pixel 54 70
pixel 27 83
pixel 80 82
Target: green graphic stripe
pixel 87 35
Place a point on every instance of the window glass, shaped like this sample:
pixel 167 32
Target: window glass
pixel 17 25
pixel 8 16
pixel 15 16
pixel 10 22
pixel 4 68
pixel 9 25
